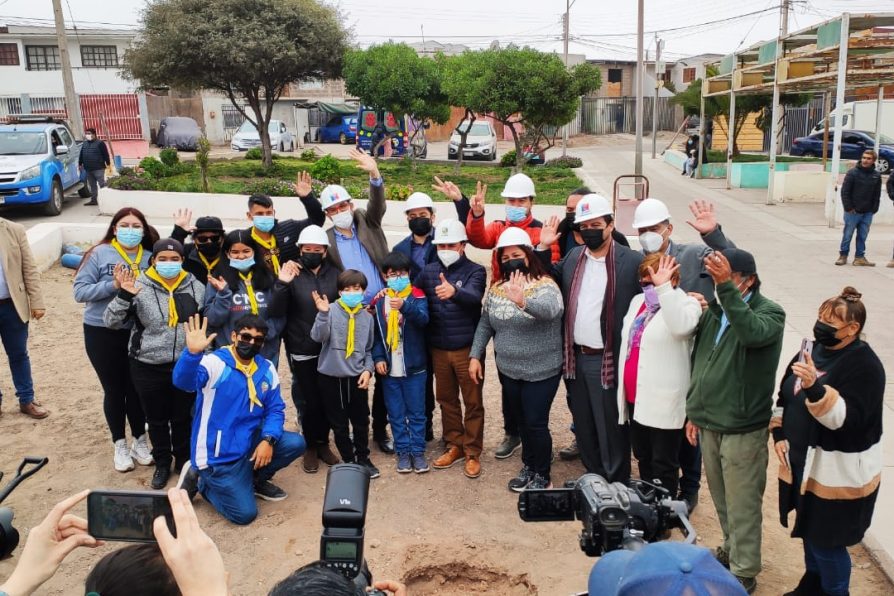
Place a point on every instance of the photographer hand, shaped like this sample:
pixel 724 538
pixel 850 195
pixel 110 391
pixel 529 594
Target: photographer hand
pixel 392 587
pixel 192 556
pixel 47 545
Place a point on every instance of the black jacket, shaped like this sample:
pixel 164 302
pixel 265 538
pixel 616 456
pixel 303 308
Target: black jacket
pixel 452 323
pixel 286 231
pixel 294 301
pixel 861 190
pixel 94 155
pixel 890 187
pixel 191 261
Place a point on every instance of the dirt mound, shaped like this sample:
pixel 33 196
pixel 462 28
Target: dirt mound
pixel 459 577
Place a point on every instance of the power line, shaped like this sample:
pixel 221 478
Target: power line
pixel 683 27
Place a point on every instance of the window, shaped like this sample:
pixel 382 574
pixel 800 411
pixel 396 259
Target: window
pixel 43 57
pixel 66 138
pixel 9 54
pixel 99 56
pixel 614 75
pixel 689 74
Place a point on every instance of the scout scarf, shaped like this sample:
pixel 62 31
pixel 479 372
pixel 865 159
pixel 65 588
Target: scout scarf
pixel 248 370
pixel 152 274
pixel 392 339
pixel 209 266
pixel 250 290
pixel 134 264
pixel 270 247
pixel 349 345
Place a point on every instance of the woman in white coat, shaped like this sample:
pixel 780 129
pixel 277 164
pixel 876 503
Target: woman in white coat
pixel 655 346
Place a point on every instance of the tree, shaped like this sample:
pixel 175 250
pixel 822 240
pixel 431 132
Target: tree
pixel 394 77
pixel 249 50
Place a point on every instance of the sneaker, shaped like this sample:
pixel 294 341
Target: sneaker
pixel 404 465
pixel 189 480
pixel 571 452
pixel 385 445
pixel 510 445
pixel 140 451
pixel 160 477
pixel 420 466
pixel 370 467
pixel 749 583
pixel 123 460
pixel 722 556
pixel 269 492
pixel 521 482
pixel 861 262
pixel 539 483
pixel 842 260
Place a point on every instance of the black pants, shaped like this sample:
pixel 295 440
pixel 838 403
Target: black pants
pixel 657 451
pixel 512 418
pixel 690 467
pixel 107 351
pixel 343 402
pixel 533 400
pixel 308 400
pixel 379 411
pixel 168 411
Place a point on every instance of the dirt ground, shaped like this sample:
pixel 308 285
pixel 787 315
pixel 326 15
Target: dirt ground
pixel 439 532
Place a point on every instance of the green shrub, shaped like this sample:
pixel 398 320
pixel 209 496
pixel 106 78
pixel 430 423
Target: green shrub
pixel 153 167
pixel 398 192
pixel 125 171
pixel 565 162
pixel 327 169
pixel 271 187
pixel 169 156
pixel 355 190
pixel 254 153
pixel 309 155
pixel 508 159
pixel 132 182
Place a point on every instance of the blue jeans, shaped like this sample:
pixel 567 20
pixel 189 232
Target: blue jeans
pixel 14 334
pixel 405 402
pixel 230 487
pixel 833 565
pixel 860 223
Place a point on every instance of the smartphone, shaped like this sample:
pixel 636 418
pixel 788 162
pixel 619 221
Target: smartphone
pixel 127 516
pixel 806 346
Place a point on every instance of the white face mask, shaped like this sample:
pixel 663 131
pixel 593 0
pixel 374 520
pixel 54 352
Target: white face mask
pixel 343 219
pixel 448 257
pixel 651 242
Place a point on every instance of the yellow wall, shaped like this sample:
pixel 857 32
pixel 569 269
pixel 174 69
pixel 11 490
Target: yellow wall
pixel 751 138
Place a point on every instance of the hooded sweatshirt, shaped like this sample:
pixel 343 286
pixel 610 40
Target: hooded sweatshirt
pixel 94 284
pixel 224 308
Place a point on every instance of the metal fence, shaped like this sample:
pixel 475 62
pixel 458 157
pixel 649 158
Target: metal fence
pixel 114 116
pixel 798 122
pixel 609 115
pixel 232 120
pixel 17 105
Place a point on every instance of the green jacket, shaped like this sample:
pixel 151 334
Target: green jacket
pixel 732 384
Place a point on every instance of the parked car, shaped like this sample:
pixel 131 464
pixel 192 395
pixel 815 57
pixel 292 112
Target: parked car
pixel 373 124
pixel 339 128
pixel 481 141
pixel 38 163
pixel 247 137
pixel 179 132
pixel 853 144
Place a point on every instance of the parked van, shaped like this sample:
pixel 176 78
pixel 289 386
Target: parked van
pixel 860 115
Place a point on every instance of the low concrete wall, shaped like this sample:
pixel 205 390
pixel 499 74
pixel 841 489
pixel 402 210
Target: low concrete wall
pixel 709 170
pixel 800 186
pixel 47 239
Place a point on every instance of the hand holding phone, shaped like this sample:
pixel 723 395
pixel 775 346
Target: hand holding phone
pixel 806 348
pixel 127 516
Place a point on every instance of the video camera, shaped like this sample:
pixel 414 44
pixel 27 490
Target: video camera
pixel 614 516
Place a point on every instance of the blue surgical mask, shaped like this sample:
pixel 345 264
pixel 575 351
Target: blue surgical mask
pixel 169 269
pixel 398 284
pixel 263 223
pixel 516 214
pixel 129 237
pixel 351 299
pixel 242 264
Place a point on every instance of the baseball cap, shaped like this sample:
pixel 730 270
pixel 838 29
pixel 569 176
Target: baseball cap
pixel 740 261
pixel 662 568
pixel 167 244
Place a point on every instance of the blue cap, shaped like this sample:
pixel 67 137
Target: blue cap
pixel 662 568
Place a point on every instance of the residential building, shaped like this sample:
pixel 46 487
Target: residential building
pixel 689 69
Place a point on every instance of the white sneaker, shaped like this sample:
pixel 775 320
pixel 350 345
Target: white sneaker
pixel 123 460
pixel 141 452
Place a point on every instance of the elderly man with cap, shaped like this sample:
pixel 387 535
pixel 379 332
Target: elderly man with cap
pixel 201 257
pixel 730 402
pixel 598 281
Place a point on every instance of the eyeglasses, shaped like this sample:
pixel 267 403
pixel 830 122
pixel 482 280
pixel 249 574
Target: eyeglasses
pixel 252 339
pixel 206 239
pixel 395 275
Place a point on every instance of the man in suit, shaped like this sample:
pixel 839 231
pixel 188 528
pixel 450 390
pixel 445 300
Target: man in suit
pixel 598 280
pixel 20 301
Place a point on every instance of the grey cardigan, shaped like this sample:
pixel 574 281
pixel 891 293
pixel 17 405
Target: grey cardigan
pixel 331 330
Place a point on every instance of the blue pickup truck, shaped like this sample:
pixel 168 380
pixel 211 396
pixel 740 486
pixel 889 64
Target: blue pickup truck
pixel 38 163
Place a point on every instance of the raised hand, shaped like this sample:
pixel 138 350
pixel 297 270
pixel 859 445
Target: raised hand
pixel 365 162
pixel 806 371
pixel 477 201
pixel 363 381
pixel 705 218
pixel 667 266
pixel 445 290
pixel 196 331
pixel 182 218
pixel 718 268
pixel 321 302
pixel 447 188
pixel 476 371
pixel 515 288
pixel 302 185
pixel 127 281
pixel 289 271
pixel 549 233
pixel 218 283
pixel 117 273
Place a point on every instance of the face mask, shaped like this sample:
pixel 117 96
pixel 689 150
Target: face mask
pixel 129 237
pixel 264 223
pixel 209 250
pixel 594 239
pixel 650 295
pixel 242 264
pixel 398 284
pixel 516 214
pixel 343 219
pixel 311 260
pixel 824 334
pixel 420 226
pixel 569 218
pixel 651 242
pixel 513 265
pixel 246 350
pixel 351 299
pixel 448 257
pixel 169 269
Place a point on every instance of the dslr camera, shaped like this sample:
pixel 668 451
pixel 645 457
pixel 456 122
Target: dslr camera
pixel 614 516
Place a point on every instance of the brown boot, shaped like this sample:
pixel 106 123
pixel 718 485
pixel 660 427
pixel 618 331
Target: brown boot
pixel 34 410
pixel 310 463
pixel 472 469
pixel 450 457
pixel 327 455
pixel 842 260
pixel 862 262
pixel 891 263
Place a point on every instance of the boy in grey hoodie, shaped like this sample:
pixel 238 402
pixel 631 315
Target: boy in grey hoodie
pixel 346 366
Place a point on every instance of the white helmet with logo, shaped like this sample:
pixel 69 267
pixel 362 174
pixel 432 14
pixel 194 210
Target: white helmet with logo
pixel 313 235
pixel 514 237
pixel 590 207
pixel 519 186
pixel 418 200
pixel 333 195
pixel 649 213
pixel 450 231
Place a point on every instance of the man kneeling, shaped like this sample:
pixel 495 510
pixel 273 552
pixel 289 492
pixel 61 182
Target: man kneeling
pixel 238 441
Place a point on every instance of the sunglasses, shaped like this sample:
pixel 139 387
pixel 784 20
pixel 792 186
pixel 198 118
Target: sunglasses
pixel 252 339
pixel 206 239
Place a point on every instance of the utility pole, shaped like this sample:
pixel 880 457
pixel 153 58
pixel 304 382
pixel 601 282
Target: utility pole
pixel 422 30
pixel 784 8
pixel 71 98
pixel 565 22
pixel 638 86
pixel 659 66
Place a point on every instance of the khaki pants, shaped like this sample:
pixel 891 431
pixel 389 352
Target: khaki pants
pixel 736 468
pixel 465 430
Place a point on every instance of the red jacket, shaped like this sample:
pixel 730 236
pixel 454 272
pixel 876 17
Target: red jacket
pixel 486 236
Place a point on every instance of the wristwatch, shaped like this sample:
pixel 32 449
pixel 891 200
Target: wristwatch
pixel 269 439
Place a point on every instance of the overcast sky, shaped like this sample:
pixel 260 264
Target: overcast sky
pixel 599 28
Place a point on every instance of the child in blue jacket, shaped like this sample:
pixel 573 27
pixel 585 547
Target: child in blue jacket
pixel 401 359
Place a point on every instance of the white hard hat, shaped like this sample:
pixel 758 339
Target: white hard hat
pixel 650 212
pixel 333 195
pixel 514 237
pixel 313 235
pixel 418 200
pixel 590 207
pixel 450 231
pixel 518 186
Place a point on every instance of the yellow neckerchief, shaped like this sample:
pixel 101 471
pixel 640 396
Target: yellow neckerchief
pixel 152 274
pixel 250 290
pixel 134 264
pixel 248 370
pixel 393 337
pixel 349 344
pixel 269 246
pixel 209 266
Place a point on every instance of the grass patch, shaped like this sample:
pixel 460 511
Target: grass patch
pixel 720 156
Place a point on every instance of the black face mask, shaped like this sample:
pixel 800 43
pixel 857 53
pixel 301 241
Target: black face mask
pixel 594 239
pixel 824 334
pixel 209 250
pixel 246 350
pixel 420 226
pixel 513 265
pixel 569 219
pixel 311 260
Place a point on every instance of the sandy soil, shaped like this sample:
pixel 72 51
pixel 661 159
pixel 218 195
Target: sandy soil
pixel 440 532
